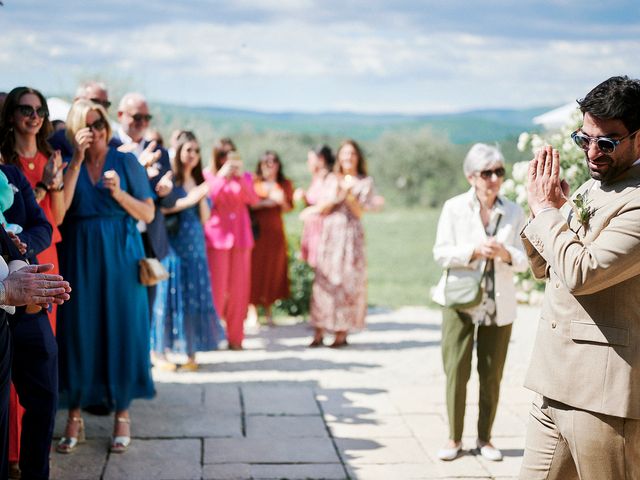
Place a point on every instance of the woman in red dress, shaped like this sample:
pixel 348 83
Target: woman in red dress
pixel 24 144
pixel 269 275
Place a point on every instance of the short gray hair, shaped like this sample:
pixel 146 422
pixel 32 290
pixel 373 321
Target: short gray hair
pixel 480 157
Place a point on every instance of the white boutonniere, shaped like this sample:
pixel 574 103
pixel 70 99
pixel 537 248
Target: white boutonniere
pixel 14 189
pixel 581 208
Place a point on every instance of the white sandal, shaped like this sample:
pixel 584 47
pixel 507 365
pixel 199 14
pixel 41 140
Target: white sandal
pixel 69 444
pixel 120 443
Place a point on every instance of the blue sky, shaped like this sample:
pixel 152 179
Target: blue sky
pixel 313 55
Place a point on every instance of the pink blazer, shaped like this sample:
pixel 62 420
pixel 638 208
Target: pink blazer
pixel 229 225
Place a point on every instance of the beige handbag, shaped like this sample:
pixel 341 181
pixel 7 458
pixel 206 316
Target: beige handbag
pixel 152 271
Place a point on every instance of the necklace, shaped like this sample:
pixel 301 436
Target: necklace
pixel 31 161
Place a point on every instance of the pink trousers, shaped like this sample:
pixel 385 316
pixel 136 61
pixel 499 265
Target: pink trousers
pixel 231 284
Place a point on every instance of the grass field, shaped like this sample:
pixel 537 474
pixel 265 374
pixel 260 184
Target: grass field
pixel 400 263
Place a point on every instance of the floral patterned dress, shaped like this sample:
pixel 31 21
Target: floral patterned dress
pixel 339 295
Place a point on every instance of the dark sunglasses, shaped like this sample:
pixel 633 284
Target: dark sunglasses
pixel 498 172
pixel 98 125
pixel 139 117
pixel 105 103
pixel 605 144
pixel 29 111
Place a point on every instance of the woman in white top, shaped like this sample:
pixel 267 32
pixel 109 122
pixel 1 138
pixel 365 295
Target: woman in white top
pixel 478 231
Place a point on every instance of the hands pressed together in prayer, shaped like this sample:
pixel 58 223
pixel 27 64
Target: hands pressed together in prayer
pixel 545 189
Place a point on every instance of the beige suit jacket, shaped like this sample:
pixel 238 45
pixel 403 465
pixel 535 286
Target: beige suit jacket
pixel 587 349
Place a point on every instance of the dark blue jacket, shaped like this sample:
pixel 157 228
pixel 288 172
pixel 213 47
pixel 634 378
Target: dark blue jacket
pixel 26 212
pixel 157 230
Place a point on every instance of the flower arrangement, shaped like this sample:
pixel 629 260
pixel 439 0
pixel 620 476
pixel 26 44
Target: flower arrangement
pixel 573 169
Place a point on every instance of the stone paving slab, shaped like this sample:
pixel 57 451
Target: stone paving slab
pixel 356 402
pixel 243 471
pixel 262 426
pixel 157 460
pixel 266 399
pixel 281 410
pixel 381 451
pixel 153 421
pixel 269 450
pixel 86 463
pixel 406 471
pixel 370 426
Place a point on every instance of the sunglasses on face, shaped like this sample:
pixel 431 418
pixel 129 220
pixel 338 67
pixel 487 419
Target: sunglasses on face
pixel 604 144
pixel 487 174
pixel 29 111
pixel 98 125
pixel 140 117
pixel 105 103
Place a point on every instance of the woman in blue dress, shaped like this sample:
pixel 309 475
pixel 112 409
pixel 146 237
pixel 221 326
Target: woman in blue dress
pixel 103 332
pixel 196 328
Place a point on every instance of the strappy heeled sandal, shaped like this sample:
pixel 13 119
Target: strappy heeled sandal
pixel 120 443
pixel 69 444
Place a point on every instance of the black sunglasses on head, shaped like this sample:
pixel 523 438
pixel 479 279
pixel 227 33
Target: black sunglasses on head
pixel 487 174
pixel 605 144
pixel 29 111
pixel 139 117
pixel 105 103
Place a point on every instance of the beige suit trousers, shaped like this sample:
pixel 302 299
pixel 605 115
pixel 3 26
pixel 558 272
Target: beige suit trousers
pixel 564 443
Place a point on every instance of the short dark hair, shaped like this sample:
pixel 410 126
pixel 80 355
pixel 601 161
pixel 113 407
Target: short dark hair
pixel 615 98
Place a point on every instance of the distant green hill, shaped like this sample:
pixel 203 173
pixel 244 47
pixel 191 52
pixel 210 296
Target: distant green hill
pixel 460 128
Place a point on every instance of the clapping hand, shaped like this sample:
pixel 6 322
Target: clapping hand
pixel 53 171
pixel 165 184
pixel 149 156
pixel 20 245
pixel 30 285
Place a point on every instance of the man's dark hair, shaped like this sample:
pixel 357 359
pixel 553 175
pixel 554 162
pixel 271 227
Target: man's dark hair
pixel 615 98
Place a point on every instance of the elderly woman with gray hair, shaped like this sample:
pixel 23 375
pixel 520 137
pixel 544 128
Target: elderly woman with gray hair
pixel 478 238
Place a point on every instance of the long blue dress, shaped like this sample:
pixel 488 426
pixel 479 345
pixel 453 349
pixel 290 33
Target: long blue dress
pixel 103 330
pixel 187 322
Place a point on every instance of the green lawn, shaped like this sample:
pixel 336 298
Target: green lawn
pixel 400 263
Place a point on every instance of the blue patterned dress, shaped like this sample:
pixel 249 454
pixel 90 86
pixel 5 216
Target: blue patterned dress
pixel 187 322
pixel 103 330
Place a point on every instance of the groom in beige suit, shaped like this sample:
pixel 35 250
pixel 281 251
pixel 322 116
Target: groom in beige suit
pixel 585 420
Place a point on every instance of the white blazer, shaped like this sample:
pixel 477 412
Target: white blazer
pixel 460 229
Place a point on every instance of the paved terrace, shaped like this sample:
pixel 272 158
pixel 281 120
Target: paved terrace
pixel 374 410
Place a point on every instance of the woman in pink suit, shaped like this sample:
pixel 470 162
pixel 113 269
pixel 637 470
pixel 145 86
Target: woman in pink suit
pixel 229 239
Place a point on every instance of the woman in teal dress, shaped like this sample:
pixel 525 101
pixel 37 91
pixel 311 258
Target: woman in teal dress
pixel 196 326
pixel 103 333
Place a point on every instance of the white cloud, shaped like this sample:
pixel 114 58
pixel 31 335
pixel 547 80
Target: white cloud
pixel 346 64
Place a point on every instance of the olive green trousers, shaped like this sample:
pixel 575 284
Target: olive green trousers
pixel 458 333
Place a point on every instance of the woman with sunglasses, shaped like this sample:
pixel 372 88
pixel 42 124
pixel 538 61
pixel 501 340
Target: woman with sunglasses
pixel 24 129
pixel 478 233
pixel 103 334
pixel 269 265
